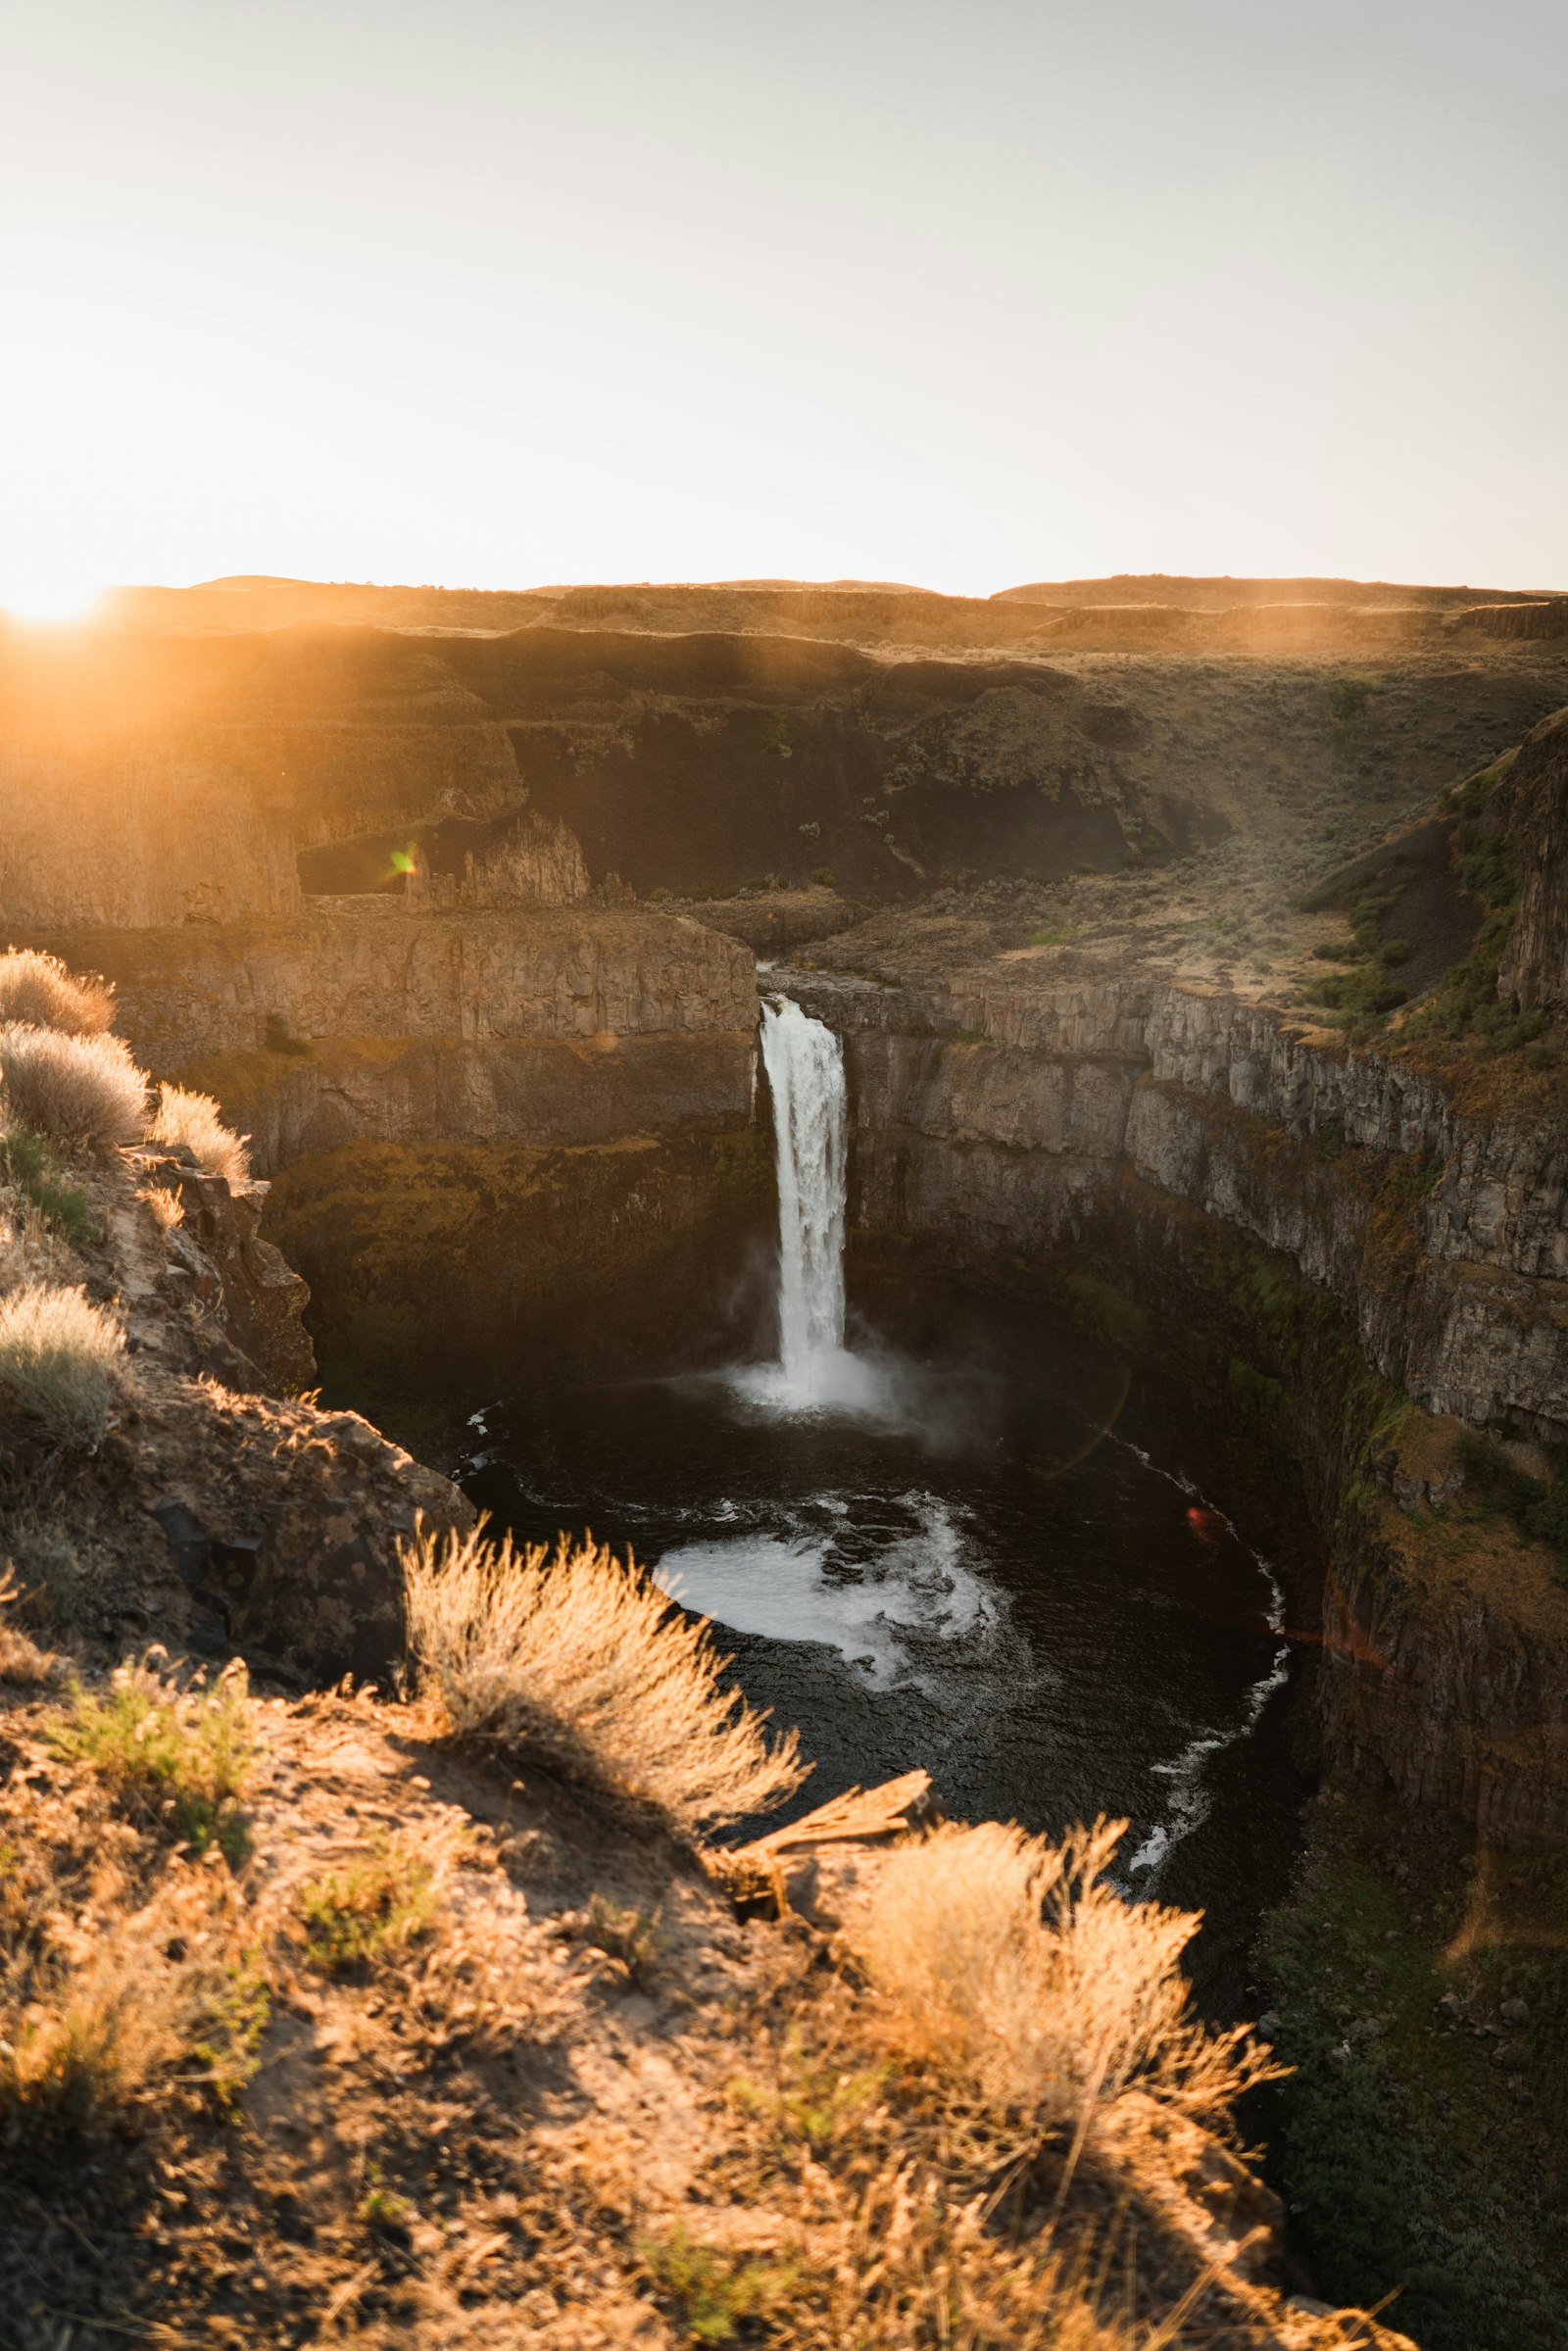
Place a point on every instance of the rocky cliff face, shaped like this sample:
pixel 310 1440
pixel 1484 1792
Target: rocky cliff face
pixel 361 1021
pixel 1055 1111
pixel 1001 1108
pixel 1535 966
pixel 213 1516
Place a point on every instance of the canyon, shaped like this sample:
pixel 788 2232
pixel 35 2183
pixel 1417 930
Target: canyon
pixel 454 906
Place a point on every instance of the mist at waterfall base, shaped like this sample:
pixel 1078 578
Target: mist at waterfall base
pixel 941 1543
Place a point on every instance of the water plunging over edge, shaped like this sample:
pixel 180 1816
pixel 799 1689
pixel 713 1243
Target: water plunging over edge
pixel 804 1064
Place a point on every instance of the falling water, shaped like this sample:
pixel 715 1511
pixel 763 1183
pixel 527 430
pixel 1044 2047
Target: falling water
pixel 804 1063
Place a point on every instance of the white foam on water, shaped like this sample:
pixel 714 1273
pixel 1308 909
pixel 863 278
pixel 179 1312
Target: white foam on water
pixel 877 1613
pixel 1189 1799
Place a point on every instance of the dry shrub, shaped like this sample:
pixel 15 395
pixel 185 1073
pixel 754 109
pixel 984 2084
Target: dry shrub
pixel 581 1661
pixel 39 992
pixel 195 1121
pixel 1007 1962
pixel 78 1090
pixel 90 2045
pixel 98 2006
pixel 21 1661
pixel 904 2263
pixel 58 1357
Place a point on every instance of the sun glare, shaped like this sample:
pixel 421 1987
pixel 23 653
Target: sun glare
pixel 49 598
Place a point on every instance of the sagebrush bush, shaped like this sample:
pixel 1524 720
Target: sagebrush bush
pixel 58 1357
pixel 582 1661
pixel 1007 1961
pixel 166 1752
pixel 78 1090
pixel 37 990
pixel 195 1120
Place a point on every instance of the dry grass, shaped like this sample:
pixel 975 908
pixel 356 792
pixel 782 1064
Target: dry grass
pixel 1008 1963
pixel 900 2263
pixel 94 2036
pixel 21 1661
pixel 195 1121
pixel 166 1207
pixel 60 1357
pixel 76 1090
pixel 39 992
pixel 416 2166
pixel 580 1661
pixel 103 1992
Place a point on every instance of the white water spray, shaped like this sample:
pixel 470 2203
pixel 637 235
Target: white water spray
pixel 804 1063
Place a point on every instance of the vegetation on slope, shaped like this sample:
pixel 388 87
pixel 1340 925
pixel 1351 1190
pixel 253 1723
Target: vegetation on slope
pixel 1422 1992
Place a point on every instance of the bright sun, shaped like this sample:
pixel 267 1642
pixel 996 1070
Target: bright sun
pixel 46 595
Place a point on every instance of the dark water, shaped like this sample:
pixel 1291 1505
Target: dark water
pixel 990 1572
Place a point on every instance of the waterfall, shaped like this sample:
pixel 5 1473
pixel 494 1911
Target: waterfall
pixel 804 1064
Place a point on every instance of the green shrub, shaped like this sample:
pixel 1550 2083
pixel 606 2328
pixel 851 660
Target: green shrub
pixel 379 1904
pixel 166 1753
pixel 1537 1506
pixel 715 2293
pixel 815 2099
pixel 1347 698
pixel 1360 994
pixel 631 1936
pixel 231 2022
pixel 37 1171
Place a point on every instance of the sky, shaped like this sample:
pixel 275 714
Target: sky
pixel 488 293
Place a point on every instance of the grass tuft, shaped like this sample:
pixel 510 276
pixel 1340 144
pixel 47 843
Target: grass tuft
pixel 358 1914
pixel 582 1662
pixel 168 1754
pixel 195 1122
pixel 86 2056
pixel 716 2293
pixel 59 1358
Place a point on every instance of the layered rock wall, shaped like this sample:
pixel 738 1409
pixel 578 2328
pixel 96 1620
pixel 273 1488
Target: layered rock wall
pixel 1299 1232
pixel 999 1110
